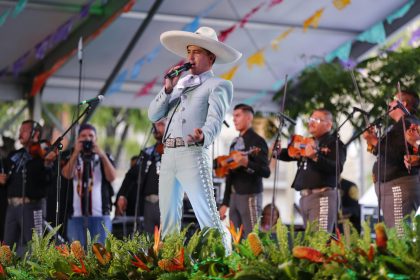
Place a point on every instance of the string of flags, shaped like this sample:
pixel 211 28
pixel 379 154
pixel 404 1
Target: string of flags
pixel 19 7
pixel 375 35
pixel 51 40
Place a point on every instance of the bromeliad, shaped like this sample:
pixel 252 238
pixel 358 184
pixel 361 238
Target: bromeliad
pixel 236 235
pixel 139 263
pixel 302 252
pixel 79 270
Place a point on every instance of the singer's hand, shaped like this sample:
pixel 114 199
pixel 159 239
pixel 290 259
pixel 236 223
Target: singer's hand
pixel 171 83
pixel 197 136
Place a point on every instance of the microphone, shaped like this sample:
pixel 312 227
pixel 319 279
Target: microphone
pixel 98 99
pixel 80 49
pixel 226 123
pixel 178 71
pixel 402 108
pixel 281 115
pixel 355 109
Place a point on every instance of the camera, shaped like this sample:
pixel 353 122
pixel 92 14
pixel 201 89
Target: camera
pixel 87 146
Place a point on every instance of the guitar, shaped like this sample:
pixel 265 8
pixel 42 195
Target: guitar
pixel 227 162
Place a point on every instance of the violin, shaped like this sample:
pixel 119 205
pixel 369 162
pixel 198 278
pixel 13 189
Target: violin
pixel 298 144
pixel 39 149
pixel 159 148
pixel 227 162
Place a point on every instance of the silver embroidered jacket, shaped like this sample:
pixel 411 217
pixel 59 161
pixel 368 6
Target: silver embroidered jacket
pixel 199 106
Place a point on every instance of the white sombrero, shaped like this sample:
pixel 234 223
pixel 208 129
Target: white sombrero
pixel 205 37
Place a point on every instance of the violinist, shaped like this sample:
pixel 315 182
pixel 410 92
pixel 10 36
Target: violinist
pixel 28 176
pixel 244 185
pixel 148 201
pixel 399 191
pixel 315 178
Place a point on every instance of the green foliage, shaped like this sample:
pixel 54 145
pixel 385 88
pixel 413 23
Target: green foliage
pixel 315 256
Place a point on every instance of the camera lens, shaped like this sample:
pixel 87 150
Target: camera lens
pixel 87 146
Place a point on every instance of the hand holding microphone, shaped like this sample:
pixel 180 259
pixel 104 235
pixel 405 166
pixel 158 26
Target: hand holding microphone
pixel 172 77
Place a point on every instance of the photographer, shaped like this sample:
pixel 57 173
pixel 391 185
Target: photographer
pixel 88 165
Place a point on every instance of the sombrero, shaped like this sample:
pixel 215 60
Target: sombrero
pixel 205 37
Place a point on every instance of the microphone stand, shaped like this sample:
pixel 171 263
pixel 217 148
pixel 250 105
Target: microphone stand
pixel 57 145
pixel 378 123
pixel 337 163
pixel 139 163
pixel 276 148
pixel 87 167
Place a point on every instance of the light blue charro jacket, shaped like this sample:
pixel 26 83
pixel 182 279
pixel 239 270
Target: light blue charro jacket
pixel 203 106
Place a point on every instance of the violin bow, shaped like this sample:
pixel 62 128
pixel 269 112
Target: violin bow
pixel 362 105
pixel 404 130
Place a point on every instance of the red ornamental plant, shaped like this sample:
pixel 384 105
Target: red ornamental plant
pixel 157 240
pixel 139 263
pixel 381 237
pixel 175 264
pixel 79 270
pixel 313 255
pixel 236 235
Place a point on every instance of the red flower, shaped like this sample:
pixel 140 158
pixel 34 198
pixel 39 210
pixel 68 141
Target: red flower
pixel 138 263
pixel 79 270
pixel 175 264
pixel 308 253
pixel 236 235
pixel 381 237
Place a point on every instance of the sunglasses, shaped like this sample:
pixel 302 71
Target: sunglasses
pixel 315 120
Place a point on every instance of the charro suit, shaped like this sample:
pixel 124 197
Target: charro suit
pixel 196 102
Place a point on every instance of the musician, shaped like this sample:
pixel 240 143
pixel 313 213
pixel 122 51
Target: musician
pixel 315 178
pixel 149 162
pixel 398 187
pixel 244 186
pixel 27 179
pixel 195 107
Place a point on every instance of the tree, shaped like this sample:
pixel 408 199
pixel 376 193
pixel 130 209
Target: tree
pixel 330 85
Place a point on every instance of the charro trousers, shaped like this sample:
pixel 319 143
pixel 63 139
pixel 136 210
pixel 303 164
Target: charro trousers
pixel 188 169
pixel 399 198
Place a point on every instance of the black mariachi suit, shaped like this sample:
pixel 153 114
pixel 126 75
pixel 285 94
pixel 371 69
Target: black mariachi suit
pixel 243 192
pixel 320 207
pixel 28 180
pixel 149 162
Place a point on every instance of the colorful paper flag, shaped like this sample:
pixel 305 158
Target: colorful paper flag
pixel 313 20
pixel 19 7
pixel 256 59
pixel 374 35
pixel 273 3
pixel 342 52
pixel 278 39
pixel 4 16
pixel 400 12
pixel 341 4
pixel 225 33
pixel 229 74
pixel 246 18
pixel 146 88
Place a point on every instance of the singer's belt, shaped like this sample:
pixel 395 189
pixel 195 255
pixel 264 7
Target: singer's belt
pixel 16 201
pixel 178 142
pixel 306 192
